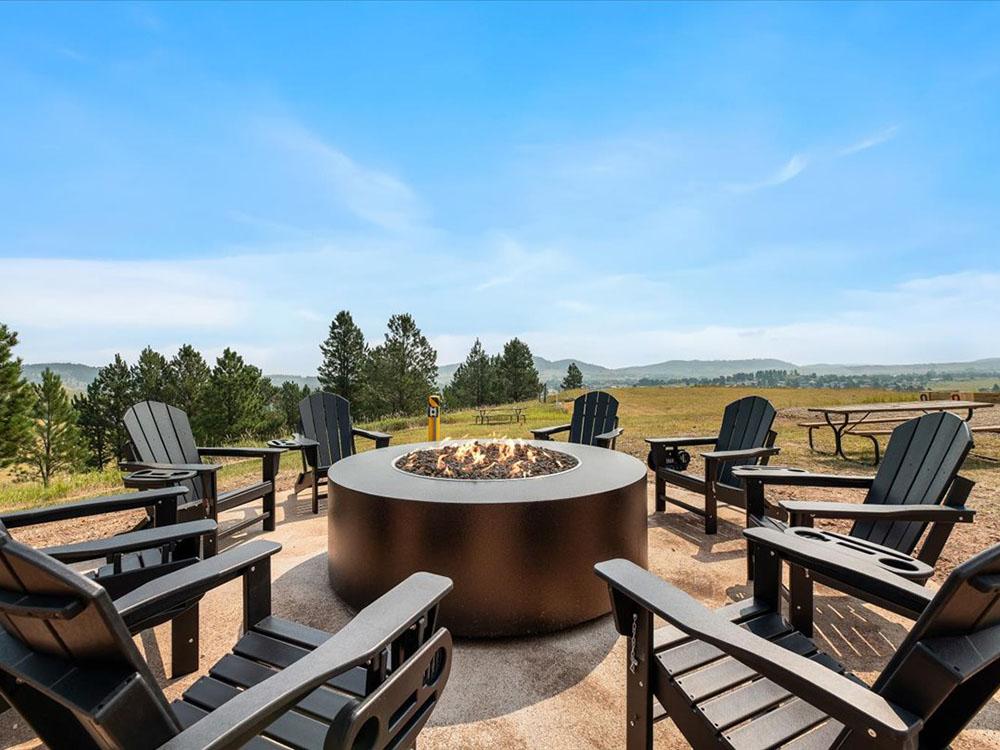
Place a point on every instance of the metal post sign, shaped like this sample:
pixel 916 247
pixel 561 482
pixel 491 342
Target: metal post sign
pixel 433 417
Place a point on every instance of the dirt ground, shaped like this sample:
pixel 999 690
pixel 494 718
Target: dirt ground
pixel 559 691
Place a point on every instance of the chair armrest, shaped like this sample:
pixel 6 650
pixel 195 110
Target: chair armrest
pixel 152 478
pixel 544 433
pixel 724 456
pixel 132 541
pixel 241 718
pixel 799 477
pixel 241 452
pixel 381 438
pixel 680 442
pixel 139 465
pixel 827 560
pixel 96 506
pixel 605 439
pixel 876 512
pixel 853 704
pixel 298 443
pixel 173 589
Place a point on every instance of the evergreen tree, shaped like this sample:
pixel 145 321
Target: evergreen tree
pixel 15 400
pixel 401 371
pixel 518 375
pixel 117 395
pixel 237 400
pixel 344 355
pixel 573 379
pixel 474 382
pixel 92 424
pixel 150 376
pixel 287 402
pixel 56 444
pixel 186 385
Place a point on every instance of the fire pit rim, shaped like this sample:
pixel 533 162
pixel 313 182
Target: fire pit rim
pixel 599 470
pixel 465 441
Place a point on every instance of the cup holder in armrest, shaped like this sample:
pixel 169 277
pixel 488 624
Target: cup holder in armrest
pixel 811 534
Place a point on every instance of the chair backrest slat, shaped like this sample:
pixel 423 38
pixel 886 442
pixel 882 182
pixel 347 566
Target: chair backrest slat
pixel 948 666
pixel 70 668
pixel 160 433
pixel 326 418
pixel 921 461
pixel 594 413
pixel 745 424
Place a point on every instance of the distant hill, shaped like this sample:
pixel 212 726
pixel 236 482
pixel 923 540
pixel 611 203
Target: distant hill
pixel 299 380
pixel 77 376
pixel 552 372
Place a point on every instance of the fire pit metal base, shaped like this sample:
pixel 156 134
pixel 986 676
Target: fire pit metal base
pixel 520 551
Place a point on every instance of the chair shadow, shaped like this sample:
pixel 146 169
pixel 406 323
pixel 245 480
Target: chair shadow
pixel 690 528
pixel 489 677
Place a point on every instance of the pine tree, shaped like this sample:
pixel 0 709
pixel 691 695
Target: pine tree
pixel 344 356
pixel 56 445
pixel 118 395
pixel 474 382
pixel 401 371
pixel 150 376
pixel 92 424
pixel 186 384
pixel 287 402
pixel 237 400
pixel 517 372
pixel 15 400
pixel 573 379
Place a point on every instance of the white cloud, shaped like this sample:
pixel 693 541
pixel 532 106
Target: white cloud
pixel 882 136
pixel 375 196
pixel 789 171
pixel 57 293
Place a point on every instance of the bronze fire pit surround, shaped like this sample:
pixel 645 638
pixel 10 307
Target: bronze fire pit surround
pixel 520 551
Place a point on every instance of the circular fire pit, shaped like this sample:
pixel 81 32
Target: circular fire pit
pixel 520 550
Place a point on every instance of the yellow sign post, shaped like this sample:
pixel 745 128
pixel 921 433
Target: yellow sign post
pixel 433 418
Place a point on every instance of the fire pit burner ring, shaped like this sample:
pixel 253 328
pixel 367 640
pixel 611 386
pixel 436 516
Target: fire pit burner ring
pixel 521 551
pixel 486 459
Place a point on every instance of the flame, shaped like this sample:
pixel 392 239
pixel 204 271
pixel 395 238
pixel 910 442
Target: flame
pixel 494 459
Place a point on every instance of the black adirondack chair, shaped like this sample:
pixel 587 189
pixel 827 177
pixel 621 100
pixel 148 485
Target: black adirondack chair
pixel 326 436
pixel 742 677
pixel 745 438
pixel 161 439
pixel 594 422
pixel 132 559
pixel 70 668
pixel 917 489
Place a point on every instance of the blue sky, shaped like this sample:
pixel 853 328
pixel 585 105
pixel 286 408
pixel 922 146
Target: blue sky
pixel 618 183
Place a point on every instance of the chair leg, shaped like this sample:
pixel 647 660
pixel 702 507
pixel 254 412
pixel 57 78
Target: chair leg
pixel 660 495
pixel 638 683
pixel 271 464
pixel 315 493
pixel 711 509
pixel 800 600
pixel 184 642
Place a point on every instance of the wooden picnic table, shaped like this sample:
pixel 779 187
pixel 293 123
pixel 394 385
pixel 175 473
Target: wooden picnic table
pixel 845 420
pixel 498 415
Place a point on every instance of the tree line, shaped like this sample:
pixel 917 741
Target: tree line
pixel 484 379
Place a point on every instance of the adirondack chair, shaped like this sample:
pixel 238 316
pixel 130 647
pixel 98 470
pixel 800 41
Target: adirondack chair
pixel 161 438
pixel 745 438
pixel 742 677
pixel 69 666
pixel 594 422
pixel 135 558
pixel 326 436
pixel 917 489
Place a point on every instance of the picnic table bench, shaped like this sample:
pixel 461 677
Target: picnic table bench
pixel 500 415
pixel 856 419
